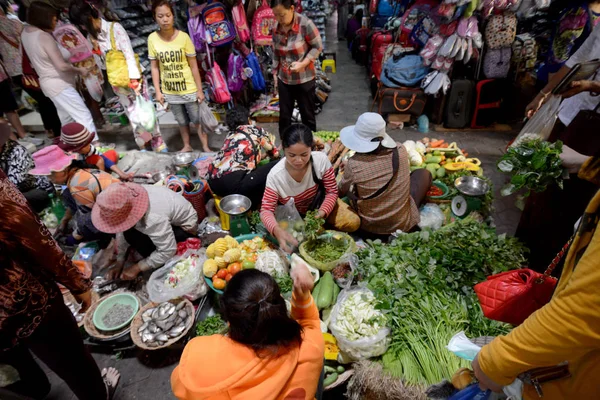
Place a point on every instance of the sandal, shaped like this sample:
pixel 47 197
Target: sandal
pixel 111 380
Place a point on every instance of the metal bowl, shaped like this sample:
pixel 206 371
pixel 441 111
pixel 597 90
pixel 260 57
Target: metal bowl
pixel 159 176
pixel 235 204
pixel 182 160
pixel 471 185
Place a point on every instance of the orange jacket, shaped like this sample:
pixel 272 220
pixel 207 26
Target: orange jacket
pixel 216 367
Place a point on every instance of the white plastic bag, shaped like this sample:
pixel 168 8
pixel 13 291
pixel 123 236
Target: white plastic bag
pixel 463 347
pixel 432 217
pixel 289 219
pixel 207 118
pixel 142 114
pixel 543 121
pixel 192 282
pixel 364 347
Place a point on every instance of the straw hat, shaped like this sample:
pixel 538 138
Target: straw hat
pixel 51 159
pixel 119 207
pixel 74 136
pixel 367 134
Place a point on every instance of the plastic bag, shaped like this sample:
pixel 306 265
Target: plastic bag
pixel 289 219
pixel 542 122
pixel 207 118
pixel 365 347
pixel 463 347
pixel 191 281
pixel 432 217
pixel 142 114
pixel 351 260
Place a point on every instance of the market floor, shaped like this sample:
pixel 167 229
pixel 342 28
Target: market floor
pixel 349 98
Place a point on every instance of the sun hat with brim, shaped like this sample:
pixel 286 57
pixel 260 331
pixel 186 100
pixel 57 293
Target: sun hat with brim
pixel 74 136
pixel 367 134
pixel 51 159
pixel 119 207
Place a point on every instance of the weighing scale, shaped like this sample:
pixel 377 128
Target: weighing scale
pixel 472 189
pixel 236 206
pixel 183 162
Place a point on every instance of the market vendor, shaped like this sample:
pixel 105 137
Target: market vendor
pixel 83 184
pixel 303 175
pixel 76 138
pixel 16 162
pixel 236 168
pixel 152 219
pixel 564 330
pixel 377 178
pixel 266 353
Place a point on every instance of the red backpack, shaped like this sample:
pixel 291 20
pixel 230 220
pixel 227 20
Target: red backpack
pixel 263 25
pixel 241 23
pixel 217 82
pixel 220 30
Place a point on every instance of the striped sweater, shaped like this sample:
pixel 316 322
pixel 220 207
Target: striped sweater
pixel 281 187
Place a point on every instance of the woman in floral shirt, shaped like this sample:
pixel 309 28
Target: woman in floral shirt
pixel 237 168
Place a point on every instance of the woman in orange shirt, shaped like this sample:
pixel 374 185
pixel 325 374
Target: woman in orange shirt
pixel 266 354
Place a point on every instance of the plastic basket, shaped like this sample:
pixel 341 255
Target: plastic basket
pixel 329 236
pixel 197 200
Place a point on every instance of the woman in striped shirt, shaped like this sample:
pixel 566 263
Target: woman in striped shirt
pixel 293 178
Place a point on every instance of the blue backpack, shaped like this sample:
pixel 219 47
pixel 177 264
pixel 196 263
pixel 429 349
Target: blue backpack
pixel 257 79
pixel 385 8
pixel 406 71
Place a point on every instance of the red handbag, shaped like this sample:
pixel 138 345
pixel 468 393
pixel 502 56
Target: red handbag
pixel 513 296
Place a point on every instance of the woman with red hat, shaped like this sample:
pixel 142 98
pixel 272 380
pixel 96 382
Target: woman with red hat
pixel 152 220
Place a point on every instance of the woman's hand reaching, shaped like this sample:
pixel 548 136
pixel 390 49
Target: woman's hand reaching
pixel 303 279
pixel 286 241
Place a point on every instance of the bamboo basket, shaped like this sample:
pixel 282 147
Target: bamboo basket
pixel 90 328
pixel 137 322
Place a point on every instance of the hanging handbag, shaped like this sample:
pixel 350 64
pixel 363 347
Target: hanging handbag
pixel 513 296
pixel 321 192
pixel 582 133
pixel 116 64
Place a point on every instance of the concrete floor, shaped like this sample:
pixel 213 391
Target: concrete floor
pixel 349 98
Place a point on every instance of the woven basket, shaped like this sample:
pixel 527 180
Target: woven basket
pixel 90 328
pixel 137 322
pixel 197 200
pixel 341 379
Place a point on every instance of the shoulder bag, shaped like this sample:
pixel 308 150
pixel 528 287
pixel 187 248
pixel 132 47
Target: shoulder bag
pixel 395 164
pixel 320 195
pixel 116 64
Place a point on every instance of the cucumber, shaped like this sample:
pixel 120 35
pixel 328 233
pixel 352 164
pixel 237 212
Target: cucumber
pixel 326 293
pixel 336 292
pixel 340 369
pixel 330 379
pixel 316 291
pixel 329 370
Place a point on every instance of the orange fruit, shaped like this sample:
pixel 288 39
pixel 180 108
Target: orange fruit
pixel 228 277
pixel 219 284
pixel 234 268
pixel 222 273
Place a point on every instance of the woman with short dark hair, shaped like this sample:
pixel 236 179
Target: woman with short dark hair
pixel 266 354
pixel 56 74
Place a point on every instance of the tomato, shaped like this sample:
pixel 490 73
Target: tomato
pixel 222 273
pixel 234 268
pixel 248 265
pixel 219 284
pixel 228 277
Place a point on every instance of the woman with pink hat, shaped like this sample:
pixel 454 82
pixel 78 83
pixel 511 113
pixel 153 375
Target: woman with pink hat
pixel 151 219
pixel 83 186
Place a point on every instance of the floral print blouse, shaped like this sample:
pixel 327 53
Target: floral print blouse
pixel 243 150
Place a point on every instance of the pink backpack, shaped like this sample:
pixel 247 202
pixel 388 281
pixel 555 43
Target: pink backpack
pixel 263 25
pixel 240 21
pixel 216 80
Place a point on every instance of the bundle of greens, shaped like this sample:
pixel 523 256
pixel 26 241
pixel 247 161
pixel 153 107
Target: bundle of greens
pixel 255 222
pixel 313 225
pixel 424 282
pixel 285 282
pixel 533 164
pixel 211 326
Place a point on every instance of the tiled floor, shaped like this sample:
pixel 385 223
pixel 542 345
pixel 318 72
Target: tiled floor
pixel 349 98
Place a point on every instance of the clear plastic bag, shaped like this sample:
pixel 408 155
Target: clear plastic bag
pixel 191 282
pixel 352 261
pixel 142 114
pixel 365 347
pixel 289 219
pixel 542 122
pixel 432 217
pixel 207 118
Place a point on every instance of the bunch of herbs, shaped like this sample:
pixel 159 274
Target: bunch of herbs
pixel 213 325
pixel 313 225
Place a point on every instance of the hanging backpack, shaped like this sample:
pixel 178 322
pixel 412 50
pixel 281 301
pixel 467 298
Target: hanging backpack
pixel 216 80
pixel 385 8
pixel 496 63
pixel 373 7
pixel 218 27
pixel 235 72
pixel 263 25
pixel 241 23
pixel 501 31
pixel 196 28
pixel 257 79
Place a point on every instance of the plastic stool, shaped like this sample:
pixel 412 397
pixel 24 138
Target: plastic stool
pixel 328 63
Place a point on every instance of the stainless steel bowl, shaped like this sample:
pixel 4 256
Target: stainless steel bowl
pixel 471 185
pixel 235 204
pixel 182 160
pixel 159 176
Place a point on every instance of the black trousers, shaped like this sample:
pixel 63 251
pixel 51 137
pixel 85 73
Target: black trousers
pixel 250 184
pixel 145 246
pixel 46 108
pixel 57 342
pixel 305 95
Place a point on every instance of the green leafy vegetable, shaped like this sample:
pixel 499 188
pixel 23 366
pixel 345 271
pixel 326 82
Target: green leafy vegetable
pixel 285 282
pixel 533 164
pixel 211 326
pixel 256 222
pixel 313 225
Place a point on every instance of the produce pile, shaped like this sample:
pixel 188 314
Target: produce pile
pixel 424 282
pixel 211 326
pixel 180 271
pixel 440 158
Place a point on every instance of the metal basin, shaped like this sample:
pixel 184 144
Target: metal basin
pixel 182 160
pixel 159 176
pixel 235 204
pixel 471 185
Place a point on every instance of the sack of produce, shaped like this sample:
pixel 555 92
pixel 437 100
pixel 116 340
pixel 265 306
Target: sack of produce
pixel 326 251
pixel 179 277
pixel 360 328
pixel 289 219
